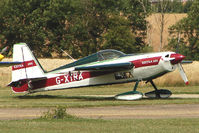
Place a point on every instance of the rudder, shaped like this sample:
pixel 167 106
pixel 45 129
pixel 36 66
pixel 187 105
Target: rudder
pixel 28 70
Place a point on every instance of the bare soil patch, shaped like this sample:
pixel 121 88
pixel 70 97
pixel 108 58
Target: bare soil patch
pixel 138 112
pixel 17 114
pixel 112 112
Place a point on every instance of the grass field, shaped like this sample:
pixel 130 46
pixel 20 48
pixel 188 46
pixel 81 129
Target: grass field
pixel 153 32
pixel 75 98
pixel 79 97
pixel 75 125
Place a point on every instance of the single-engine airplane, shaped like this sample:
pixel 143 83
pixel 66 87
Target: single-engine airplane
pixel 102 68
pixel 6 64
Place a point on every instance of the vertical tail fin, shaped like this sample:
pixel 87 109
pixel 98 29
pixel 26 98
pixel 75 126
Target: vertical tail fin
pixel 28 70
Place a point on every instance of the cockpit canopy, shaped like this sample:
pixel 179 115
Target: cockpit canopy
pixel 99 56
pixel 109 54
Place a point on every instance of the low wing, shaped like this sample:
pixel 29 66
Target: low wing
pixel 7 64
pixel 186 62
pixel 106 67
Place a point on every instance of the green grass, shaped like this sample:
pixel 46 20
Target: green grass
pixel 76 125
pixel 77 97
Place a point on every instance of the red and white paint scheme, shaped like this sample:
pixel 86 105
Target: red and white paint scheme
pixel 102 68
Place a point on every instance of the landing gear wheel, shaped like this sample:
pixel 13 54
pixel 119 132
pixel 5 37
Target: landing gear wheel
pixel 131 95
pixel 162 93
pixel 158 93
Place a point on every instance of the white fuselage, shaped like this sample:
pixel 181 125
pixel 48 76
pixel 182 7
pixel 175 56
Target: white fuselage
pixel 146 67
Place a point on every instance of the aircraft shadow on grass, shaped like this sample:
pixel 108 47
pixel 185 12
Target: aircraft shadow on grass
pixel 87 98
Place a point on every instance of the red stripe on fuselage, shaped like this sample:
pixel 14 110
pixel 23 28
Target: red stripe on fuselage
pixel 62 79
pixel 23 65
pixel 74 76
pixel 146 62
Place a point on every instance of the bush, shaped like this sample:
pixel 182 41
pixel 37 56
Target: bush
pixel 57 113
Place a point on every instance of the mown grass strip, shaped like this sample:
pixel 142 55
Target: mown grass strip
pixel 74 125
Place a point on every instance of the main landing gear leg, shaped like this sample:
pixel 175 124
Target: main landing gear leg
pixel 131 95
pixel 136 85
pixel 156 89
pixel 158 93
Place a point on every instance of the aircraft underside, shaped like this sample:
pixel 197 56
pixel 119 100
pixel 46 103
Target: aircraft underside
pixel 83 79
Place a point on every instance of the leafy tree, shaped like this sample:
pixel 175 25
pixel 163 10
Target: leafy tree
pixel 119 35
pixel 185 34
pixel 187 6
pixel 174 6
pixel 136 14
pixel 21 22
pixel 80 27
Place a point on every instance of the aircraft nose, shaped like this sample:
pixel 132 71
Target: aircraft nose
pixel 177 58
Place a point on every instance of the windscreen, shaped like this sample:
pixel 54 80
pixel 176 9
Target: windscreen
pixel 109 54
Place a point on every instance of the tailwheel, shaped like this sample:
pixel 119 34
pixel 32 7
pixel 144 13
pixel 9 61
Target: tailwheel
pixel 158 93
pixel 131 95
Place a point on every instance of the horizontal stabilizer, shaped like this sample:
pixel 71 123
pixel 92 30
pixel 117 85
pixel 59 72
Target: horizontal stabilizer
pixel 186 62
pixel 106 67
pixel 7 64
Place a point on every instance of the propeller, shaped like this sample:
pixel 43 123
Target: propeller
pixel 177 61
pixel 179 65
pixel 182 73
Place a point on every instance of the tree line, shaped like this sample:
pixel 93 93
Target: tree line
pixel 80 27
pixel 172 6
pixel 184 35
